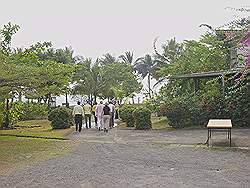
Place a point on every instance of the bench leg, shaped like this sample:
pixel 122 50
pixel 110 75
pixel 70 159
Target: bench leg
pixel 230 130
pixel 207 137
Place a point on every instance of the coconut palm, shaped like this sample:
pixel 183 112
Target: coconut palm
pixel 146 66
pixel 107 59
pixel 88 79
pixel 127 57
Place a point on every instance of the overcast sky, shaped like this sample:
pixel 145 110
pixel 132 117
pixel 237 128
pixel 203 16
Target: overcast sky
pixel 95 27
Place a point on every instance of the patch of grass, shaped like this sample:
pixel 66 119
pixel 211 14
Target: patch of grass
pixel 122 125
pixel 16 152
pixel 42 128
pixel 159 123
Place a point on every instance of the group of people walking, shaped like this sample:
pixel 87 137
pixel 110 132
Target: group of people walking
pixel 104 115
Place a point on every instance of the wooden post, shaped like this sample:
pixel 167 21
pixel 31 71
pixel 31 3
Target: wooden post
pixel 196 85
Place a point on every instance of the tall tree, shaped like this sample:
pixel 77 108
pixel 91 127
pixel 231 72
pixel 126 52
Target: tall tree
pixel 107 58
pixel 171 51
pixel 146 66
pixel 128 57
pixel 89 78
pixel 120 80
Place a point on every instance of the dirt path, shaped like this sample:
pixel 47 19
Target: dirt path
pixel 128 158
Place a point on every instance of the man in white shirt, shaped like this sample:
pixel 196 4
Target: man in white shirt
pixel 78 115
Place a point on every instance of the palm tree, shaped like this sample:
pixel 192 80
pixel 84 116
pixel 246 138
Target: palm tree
pixel 127 57
pixel 107 59
pixel 89 79
pixel 146 66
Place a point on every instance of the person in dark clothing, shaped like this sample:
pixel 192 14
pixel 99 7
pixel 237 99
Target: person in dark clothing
pixel 78 115
pixel 112 114
pixel 106 117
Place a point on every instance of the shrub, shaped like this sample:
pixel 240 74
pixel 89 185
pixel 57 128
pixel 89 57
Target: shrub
pixel 12 116
pixel 126 114
pixel 60 118
pixel 142 118
pixel 152 105
pixel 29 111
pixel 177 113
pixel 162 110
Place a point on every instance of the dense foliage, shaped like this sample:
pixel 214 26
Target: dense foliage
pixel 105 78
pixel 126 114
pixel 191 109
pixel 189 101
pixel 40 72
pixel 29 111
pixel 61 118
pixel 142 118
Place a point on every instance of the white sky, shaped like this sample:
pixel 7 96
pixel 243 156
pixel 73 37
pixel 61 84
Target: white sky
pixel 96 27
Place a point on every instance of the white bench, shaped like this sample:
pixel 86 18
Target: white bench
pixel 219 125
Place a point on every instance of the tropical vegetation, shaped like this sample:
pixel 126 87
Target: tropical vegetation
pixel 40 72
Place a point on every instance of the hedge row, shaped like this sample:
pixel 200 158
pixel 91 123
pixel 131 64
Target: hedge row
pixel 22 111
pixel 194 110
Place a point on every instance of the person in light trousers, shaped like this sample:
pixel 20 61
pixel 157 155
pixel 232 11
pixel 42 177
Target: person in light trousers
pixel 99 115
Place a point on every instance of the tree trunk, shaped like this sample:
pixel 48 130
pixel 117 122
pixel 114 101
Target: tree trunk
pixel 20 96
pixel 91 99
pixel 149 86
pixel 95 97
pixel 7 120
pixel 66 97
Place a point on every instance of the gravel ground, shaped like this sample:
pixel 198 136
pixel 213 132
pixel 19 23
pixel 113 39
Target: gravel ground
pixel 128 158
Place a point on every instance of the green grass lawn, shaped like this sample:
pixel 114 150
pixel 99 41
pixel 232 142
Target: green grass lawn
pixel 45 129
pixel 160 123
pixel 16 152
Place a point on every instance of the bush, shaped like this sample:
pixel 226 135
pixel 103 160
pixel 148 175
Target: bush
pixel 196 109
pixel 142 118
pixel 177 113
pixel 60 118
pixel 152 105
pixel 29 111
pixel 126 114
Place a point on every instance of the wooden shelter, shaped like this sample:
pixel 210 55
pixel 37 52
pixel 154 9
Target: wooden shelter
pixel 202 75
